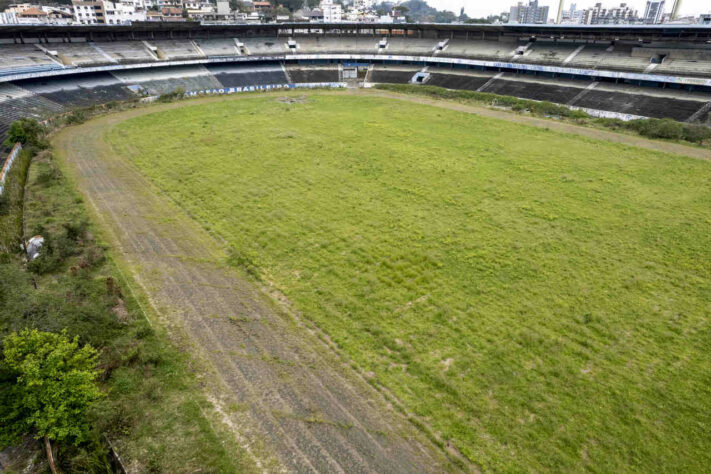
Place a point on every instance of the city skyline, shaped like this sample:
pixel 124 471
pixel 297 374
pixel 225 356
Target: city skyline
pixel 478 9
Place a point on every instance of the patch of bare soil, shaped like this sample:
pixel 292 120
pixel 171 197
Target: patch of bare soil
pixel 293 100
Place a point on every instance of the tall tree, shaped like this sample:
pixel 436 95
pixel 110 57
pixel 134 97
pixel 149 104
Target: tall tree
pixel 47 381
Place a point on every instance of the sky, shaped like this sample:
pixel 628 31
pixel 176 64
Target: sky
pixel 482 8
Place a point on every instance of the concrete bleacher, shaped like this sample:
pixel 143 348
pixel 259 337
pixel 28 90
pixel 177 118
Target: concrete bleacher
pixel 127 52
pixel 265 46
pixel 480 49
pixel 323 45
pixel 605 56
pixel 455 80
pixel 640 104
pixel 533 90
pixel 80 54
pixel 79 91
pixel 392 74
pixel 218 47
pixel 548 53
pixel 171 50
pixel 17 103
pixel 589 57
pixel 18 58
pixel 410 46
pixel 621 59
pixel 310 74
pixel 234 75
pixel 166 80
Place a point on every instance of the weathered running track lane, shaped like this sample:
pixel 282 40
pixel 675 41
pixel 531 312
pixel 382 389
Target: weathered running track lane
pixel 294 395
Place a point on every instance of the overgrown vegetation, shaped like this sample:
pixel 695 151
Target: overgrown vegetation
pixel 514 103
pixel 177 94
pixel 540 299
pixel 48 383
pixel 153 411
pixel 666 129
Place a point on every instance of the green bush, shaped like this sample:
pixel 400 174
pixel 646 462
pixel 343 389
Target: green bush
pixel 26 131
pixel 696 133
pixel 76 117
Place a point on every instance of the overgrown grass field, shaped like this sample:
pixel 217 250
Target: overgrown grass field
pixel 541 300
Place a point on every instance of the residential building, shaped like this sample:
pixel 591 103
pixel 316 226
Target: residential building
pixel 529 14
pixel 654 12
pixel 572 16
pixel 332 12
pixel 8 18
pixel 598 15
pixel 107 13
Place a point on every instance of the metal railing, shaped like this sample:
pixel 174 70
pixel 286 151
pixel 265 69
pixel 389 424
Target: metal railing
pixel 8 165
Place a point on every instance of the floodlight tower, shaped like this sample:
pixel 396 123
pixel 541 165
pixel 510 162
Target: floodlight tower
pixel 560 12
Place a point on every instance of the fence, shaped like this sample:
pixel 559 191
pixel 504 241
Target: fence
pixel 8 164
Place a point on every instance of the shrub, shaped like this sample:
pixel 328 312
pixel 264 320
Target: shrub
pixel 26 131
pixel 76 117
pixel 696 133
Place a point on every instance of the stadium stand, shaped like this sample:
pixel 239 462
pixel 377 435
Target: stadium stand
pixel 233 75
pixel 306 74
pixel 176 49
pixel 218 47
pixel 80 54
pixel 323 45
pixel 79 91
pixel 128 52
pixel 392 74
pixel 454 80
pixel 621 59
pixel 548 53
pixel 410 46
pixel 54 63
pixel 264 46
pixel 19 58
pixel 17 103
pixel 499 50
pixel 158 81
pixel 534 90
pixel 641 104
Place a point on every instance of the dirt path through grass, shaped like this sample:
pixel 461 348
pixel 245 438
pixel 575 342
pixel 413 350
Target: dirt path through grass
pixel 278 385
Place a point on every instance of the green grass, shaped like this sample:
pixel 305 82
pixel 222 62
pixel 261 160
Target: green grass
pixel 541 300
pixel 154 412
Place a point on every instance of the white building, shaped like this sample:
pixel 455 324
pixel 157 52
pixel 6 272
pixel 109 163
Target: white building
pixel 609 16
pixel 332 12
pixel 8 18
pixel 654 12
pixel 528 14
pixel 107 13
pixel 364 5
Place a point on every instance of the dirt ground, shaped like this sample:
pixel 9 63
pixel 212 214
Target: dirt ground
pixel 278 383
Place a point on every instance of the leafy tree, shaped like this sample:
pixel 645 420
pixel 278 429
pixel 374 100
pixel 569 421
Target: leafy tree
pixel 26 131
pixel 47 381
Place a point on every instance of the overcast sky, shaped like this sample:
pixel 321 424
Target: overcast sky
pixel 482 8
